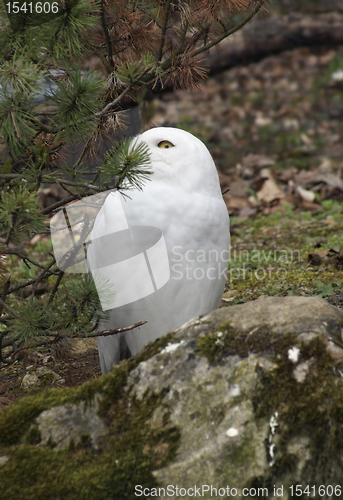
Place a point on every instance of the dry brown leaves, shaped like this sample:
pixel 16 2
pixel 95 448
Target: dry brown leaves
pixel 256 188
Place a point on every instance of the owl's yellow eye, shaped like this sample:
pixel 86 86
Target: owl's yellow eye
pixel 165 145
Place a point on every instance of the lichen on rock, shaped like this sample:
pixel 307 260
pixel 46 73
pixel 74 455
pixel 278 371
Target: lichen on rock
pixel 251 397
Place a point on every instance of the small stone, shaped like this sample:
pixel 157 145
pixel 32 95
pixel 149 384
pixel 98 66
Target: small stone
pixel 232 432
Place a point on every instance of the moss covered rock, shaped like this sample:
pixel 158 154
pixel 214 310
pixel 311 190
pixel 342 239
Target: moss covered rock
pixel 248 396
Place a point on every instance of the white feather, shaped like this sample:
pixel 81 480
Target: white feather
pixel 182 199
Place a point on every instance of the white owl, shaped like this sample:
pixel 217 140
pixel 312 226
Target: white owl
pixel 172 239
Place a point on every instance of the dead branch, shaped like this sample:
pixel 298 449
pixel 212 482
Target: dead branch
pixel 106 333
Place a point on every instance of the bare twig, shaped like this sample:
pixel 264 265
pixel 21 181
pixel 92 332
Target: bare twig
pixel 9 251
pixel 41 276
pixel 8 308
pixel 3 296
pixel 63 185
pixel 164 30
pixel 56 285
pixel 153 19
pixel 80 184
pixel 106 333
pixel 30 281
pixel 107 36
pixel 9 176
pixel 226 34
pixel 114 103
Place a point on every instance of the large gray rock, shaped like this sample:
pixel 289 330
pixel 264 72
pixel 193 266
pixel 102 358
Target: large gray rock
pixel 248 396
pixel 62 425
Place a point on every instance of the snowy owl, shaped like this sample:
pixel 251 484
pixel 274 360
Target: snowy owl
pixel 174 238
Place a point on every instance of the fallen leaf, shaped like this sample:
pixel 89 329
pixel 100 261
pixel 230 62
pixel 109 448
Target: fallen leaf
pixel 270 191
pixel 306 194
pixel 323 253
pixel 312 207
pixel 236 202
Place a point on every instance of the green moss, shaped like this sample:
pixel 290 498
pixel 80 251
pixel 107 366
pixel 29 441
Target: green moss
pixel 270 255
pixel 244 453
pixel 129 454
pixel 312 409
pixel 226 341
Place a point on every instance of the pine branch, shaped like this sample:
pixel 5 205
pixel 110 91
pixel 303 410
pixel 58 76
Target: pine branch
pixel 164 30
pixel 81 184
pixel 154 19
pixel 56 285
pixel 106 33
pixel 76 195
pixel 41 276
pixel 8 308
pixel 114 103
pixel 258 5
pixel 4 293
pixel 63 202
pixel 10 251
pixel 30 281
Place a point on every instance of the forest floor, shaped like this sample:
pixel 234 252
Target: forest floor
pixel 274 129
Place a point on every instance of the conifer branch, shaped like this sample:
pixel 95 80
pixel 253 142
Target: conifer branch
pixel 10 251
pixel 106 33
pixel 114 103
pixel 8 308
pixel 75 195
pixel 41 276
pixel 226 34
pixel 146 46
pixel 164 30
pixel 4 293
pixel 61 203
pixel 56 285
pixel 30 281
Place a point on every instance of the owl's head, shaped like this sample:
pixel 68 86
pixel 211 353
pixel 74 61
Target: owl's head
pixel 180 158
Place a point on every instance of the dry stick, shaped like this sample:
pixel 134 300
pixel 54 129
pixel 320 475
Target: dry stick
pixel 9 251
pixel 3 298
pixel 5 292
pixel 80 184
pixel 29 281
pixel 106 333
pixel 40 277
pixel 9 234
pixel 112 104
pixel 107 36
pixel 56 285
pixel 83 194
pixel 164 30
pixel 76 195
pixel 8 308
